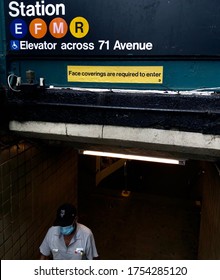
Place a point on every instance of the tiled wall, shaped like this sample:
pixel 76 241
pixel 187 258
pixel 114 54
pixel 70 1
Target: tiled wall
pixel 34 181
pixel 209 248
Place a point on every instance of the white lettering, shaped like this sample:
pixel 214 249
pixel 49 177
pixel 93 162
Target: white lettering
pixel 13 6
pixel 18 28
pixel 37 27
pixel 39 9
pixel 58 29
pixel 77 46
pixel 50 10
pixel 30 11
pixel 133 46
pixel 25 45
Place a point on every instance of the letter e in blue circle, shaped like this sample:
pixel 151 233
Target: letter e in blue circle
pixel 18 28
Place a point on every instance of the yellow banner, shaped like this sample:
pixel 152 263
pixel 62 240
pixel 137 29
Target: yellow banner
pixel 115 74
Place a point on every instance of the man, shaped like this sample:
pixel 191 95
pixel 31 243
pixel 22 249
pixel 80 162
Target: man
pixel 67 239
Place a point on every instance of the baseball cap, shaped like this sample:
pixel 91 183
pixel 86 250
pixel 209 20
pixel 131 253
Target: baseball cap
pixel 66 214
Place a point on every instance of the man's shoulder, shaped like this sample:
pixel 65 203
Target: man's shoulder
pixel 54 230
pixel 83 229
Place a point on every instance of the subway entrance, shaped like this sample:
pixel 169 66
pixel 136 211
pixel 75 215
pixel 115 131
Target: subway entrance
pixel 142 210
pixel 136 210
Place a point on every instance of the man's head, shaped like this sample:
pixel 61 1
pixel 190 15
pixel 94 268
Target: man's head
pixel 66 215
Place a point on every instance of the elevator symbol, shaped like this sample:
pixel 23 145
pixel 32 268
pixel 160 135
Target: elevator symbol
pixel 14 45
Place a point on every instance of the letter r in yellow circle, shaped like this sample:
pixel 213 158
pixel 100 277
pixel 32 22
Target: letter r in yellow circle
pixel 79 27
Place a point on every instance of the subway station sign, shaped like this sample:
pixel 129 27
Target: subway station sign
pixel 113 28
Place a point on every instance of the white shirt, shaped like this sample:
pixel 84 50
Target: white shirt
pixel 82 245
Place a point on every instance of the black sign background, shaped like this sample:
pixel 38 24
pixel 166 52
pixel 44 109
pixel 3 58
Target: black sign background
pixel 174 27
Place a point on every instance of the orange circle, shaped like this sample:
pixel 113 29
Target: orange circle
pixel 38 28
pixel 58 28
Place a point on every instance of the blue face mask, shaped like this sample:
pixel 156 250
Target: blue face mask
pixel 67 230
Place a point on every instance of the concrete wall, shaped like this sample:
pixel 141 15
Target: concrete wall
pixel 34 180
pixel 210 216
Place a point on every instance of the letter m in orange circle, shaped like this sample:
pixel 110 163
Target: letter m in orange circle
pixel 58 28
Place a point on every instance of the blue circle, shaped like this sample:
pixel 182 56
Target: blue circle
pixel 18 28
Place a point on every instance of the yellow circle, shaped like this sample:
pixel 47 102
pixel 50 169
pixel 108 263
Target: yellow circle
pixel 79 27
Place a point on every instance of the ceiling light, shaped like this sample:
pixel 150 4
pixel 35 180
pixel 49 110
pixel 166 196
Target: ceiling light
pixel 133 157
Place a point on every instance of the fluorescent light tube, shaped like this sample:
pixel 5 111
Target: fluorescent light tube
pixel 133 157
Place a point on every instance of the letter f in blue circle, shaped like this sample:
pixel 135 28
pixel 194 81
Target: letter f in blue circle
pixel 18 28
